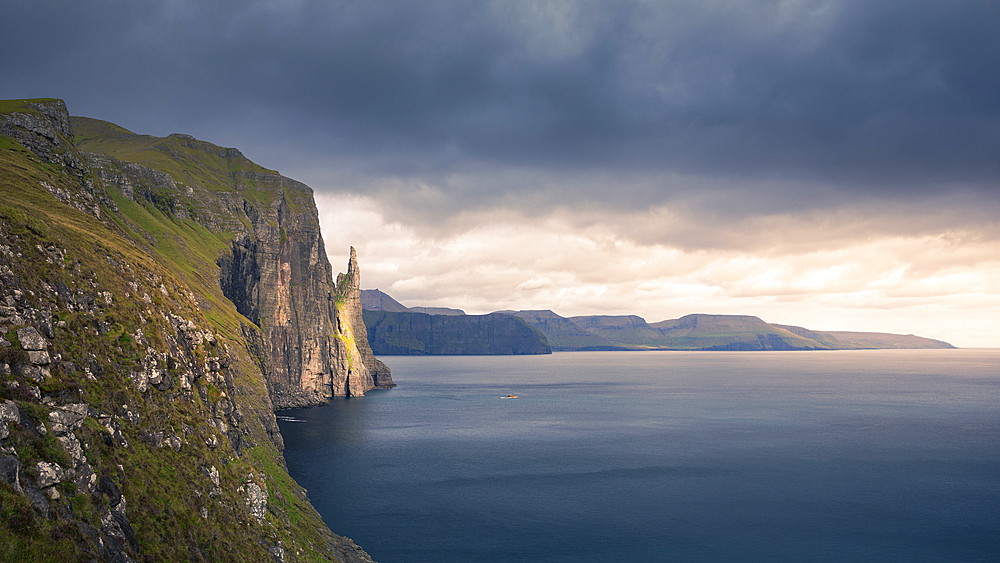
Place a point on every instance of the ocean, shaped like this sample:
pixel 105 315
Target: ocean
pixel 890 455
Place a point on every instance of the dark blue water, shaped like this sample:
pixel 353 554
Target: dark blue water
pixel 664 456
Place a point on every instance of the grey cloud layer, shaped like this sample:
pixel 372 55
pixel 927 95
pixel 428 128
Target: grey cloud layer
pixel 805 102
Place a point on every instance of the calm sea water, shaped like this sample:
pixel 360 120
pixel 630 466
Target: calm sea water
pixel 664 456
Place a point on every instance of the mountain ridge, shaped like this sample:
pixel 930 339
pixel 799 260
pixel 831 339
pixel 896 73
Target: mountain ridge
pixel 706 332
pixel 377 300
pixel 696 331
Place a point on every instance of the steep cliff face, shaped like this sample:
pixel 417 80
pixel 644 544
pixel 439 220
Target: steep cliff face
pixel 349 307
pixel 280 279
pixel 422 334
pixel 274 268
pixel 135 415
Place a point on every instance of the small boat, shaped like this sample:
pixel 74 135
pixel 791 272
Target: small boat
pixel 510 397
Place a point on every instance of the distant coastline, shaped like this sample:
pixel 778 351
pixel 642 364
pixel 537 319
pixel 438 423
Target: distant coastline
pixel 695 332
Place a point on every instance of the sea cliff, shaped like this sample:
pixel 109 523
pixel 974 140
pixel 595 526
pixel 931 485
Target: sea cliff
pixel 274 268
pixel 410 333
pixel 396 329
pixel 159 298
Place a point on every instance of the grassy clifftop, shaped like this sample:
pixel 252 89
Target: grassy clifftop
pixel 181 156
pixel 135 421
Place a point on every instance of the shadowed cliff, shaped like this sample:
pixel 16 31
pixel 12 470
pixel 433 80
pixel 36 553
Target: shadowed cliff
pixel 406 333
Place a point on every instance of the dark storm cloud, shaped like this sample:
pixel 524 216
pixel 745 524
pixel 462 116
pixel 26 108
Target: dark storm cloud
pixel 878 98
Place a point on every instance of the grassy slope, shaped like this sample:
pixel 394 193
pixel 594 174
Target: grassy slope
pixel 704 331
pixel 623 330
pixel 562 333
pixel 184 245
pixel 157 482
pixel 21 105
pixel 187 160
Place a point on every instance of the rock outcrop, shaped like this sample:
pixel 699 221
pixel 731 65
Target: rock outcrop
pixel 42 127
pixel 279 278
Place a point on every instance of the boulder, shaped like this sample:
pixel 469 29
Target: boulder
pixel 31 339
pixel 39 357
pixel 9 411
pixel 49 474
pixel 37 499
pixel 32 372
pixel 86 479
pixel 68 417
pixel 118 535
pixel 212 473
pixel 10 471
pixel 256 500
pixel 109 488
pixel 72 446
pixel 47 329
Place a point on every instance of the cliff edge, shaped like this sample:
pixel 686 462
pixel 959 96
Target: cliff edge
pixel 271 261
pixel 155 294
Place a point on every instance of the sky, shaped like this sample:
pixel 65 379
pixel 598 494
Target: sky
pixel 829 164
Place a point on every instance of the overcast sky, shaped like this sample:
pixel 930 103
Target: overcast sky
pixel 832 164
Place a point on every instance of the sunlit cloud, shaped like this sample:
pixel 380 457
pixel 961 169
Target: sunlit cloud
pixel 944 285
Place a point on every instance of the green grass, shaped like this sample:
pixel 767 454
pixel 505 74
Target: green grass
pixel 195 163
pixel 159 483
pixel 7 106
pixel 28 538
pixel 264 198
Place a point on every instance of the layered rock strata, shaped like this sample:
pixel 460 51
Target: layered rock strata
pixel 315 342
pixel 275 269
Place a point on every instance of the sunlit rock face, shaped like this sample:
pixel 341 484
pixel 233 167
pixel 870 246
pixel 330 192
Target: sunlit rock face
pixel 350 315
pixel 304 330
pixel 314 342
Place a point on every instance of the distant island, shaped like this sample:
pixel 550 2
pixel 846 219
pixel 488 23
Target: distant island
pixel 606 332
